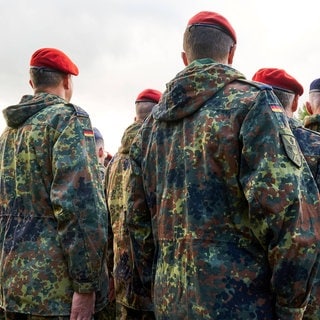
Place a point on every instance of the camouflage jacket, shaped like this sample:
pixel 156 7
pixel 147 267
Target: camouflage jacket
pixel 312 122
pixel 132 288
pixel 53 217
pixel 217 174
pixel 309 142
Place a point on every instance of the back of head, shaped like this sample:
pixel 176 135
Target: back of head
pixel 285 86
pixel 99 141
pixel 145 101
pixel 98 136
pixel 314 97
pixel 208 35
pixel 48 66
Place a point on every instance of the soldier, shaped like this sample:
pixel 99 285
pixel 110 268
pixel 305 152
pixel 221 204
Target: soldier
pixel 109 312
pixel 53 217
pixel 100 152
pixel 313 107
pixel 103 155
pixel 217 176
pixel 288 90
pixel 133 298
pixel 99 140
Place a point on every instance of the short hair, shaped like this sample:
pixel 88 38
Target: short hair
pixel 44 78
pixel 285 98
pixel 206 42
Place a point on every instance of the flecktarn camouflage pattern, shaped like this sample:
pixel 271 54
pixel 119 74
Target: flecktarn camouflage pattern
pixel 218 176
pixel 309 142
pixel 312 122
pixel 53 217
pixel 132 286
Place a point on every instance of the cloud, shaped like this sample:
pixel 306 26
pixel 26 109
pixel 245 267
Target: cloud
pixel 123 46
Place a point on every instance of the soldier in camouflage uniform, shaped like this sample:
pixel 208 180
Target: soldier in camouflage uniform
pixel 313 107
pixel 109 312
pixel 217 175
pixel 133 298
pixel 288 90
pixel 53 217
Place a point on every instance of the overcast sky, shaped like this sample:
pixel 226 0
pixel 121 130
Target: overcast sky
pixel 124 46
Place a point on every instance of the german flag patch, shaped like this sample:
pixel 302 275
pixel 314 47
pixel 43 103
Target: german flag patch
pixel 276 108
pixel 88 133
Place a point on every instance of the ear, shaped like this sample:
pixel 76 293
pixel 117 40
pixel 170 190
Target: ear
pixel 309 108
pixel 184 58
pixel 231 54
pixel 31 84
pixel 295 103
pixel 67 82
pixel 100 153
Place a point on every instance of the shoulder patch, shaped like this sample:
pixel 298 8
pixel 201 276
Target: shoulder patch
pixel 291 148
pixel 88 133
pixel 276 108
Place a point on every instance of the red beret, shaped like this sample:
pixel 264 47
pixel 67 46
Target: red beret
pixel 53 59
pixel 151 95
pixel 279 79
pixel 215 20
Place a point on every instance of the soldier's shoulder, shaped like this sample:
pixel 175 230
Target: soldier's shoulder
pixel 248 88
pixel 255 84
pixel 313 133
pixel 80 112
pixel 309 135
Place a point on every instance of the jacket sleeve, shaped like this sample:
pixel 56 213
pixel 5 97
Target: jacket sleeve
pixel 283 204
pixel 78 202
pixel 139 220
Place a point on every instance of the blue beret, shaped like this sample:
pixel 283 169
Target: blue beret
pixel 315 86
pixel 97 134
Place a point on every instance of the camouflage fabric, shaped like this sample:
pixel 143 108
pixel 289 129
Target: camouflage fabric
pixel 217 174
pixel 53 217
pixel 312 122
pixel 132 286
pixel 108 313
pixel 309 142
pixel 126 313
